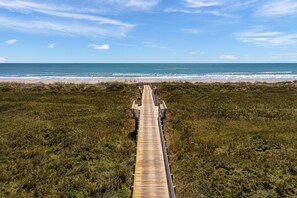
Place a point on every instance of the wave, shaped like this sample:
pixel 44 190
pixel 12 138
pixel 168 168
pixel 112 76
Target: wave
pixel 276 72
pixel 132 76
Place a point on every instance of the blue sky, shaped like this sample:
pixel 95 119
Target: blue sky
pixel 101 31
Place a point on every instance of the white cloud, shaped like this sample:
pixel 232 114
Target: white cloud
pixel 229 57
pixel 207 12
pixel 11 42
pixel 100 20
pixel 2 60
pixel 70 29
pixel 99 26
pixel 278 8
pixel 194 53
pixel 220 8
pixel 238 5
pixel 260 36
pixel 60 11
pixel 202 3
pixel 100 47
pixel 174 10
pixel 191 31
pixel 126 5
pixel 219 13
pixel 142 4
pixel 52 45
pixel 17 5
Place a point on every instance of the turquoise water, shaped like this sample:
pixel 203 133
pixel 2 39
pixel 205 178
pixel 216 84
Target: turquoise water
pixel 198 72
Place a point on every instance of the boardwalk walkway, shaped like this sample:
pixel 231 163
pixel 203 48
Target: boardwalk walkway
pixel 150 174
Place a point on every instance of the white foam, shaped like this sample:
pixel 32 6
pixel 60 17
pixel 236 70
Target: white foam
pixel 197 77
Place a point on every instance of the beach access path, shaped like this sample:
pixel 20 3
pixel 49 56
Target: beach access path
pixel 150 174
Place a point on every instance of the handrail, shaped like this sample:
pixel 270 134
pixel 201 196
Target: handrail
pixel 167 167
pixel 135 159
pixel 165 155
pixel 154 97
pixel 136 116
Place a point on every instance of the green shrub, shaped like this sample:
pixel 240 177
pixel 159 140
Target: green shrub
pixel 232 140
pixel 66 140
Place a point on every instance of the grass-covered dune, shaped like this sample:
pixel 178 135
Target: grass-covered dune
pixel 66 140
pixel 232 140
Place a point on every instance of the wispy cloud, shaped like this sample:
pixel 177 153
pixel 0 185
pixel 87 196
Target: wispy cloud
pixel 52 45
pixel 186 11
pixel 63 28
pixel 153 45
pixel 127 5
pixel 194 53
pixel 202 3
pixel 278 8
pixel 98 26
pixel 142 4
pixel 218 8
pixel 284 55
pixel 28 5
pixel 289 54
pixel 220 13
pixel 2 60
pixel 229 57
pixel 100 47
pixel 11 42
pixel 239 5
pixel 205 12
pixel 100 6
pixel 100 20
pixel 191 31
pixel 260 36
pixel 229 8
pixel 59 11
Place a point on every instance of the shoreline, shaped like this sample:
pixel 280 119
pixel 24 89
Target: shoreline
pixel 65 81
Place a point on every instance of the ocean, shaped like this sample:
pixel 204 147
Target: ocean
pixel 184 72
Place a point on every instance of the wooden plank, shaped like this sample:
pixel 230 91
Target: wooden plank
pixel 150 174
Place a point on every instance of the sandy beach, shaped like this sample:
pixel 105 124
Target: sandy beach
pixel 66 81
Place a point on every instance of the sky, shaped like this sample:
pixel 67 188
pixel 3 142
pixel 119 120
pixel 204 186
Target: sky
pixel 148 31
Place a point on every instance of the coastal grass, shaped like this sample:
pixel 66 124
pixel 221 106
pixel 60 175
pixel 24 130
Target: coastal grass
pixel 232 140
pixel 66 140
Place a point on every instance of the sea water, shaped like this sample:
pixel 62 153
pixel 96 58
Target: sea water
pixel 180 71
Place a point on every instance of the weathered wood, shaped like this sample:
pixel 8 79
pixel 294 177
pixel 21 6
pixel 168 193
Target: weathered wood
pixel 150 174
pixel 135 110
pixel 163 109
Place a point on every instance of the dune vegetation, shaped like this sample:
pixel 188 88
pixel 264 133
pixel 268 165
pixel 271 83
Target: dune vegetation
pixel 66 140
pixel 232 140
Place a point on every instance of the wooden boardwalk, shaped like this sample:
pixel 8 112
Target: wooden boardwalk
pixel 150 174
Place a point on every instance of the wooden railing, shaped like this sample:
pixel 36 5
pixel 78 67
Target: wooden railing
pixel 136 115
pixel 161 116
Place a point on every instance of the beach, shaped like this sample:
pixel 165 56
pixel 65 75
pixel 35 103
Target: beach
pixel 224 124
pixel 134 73
pixel 65 81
